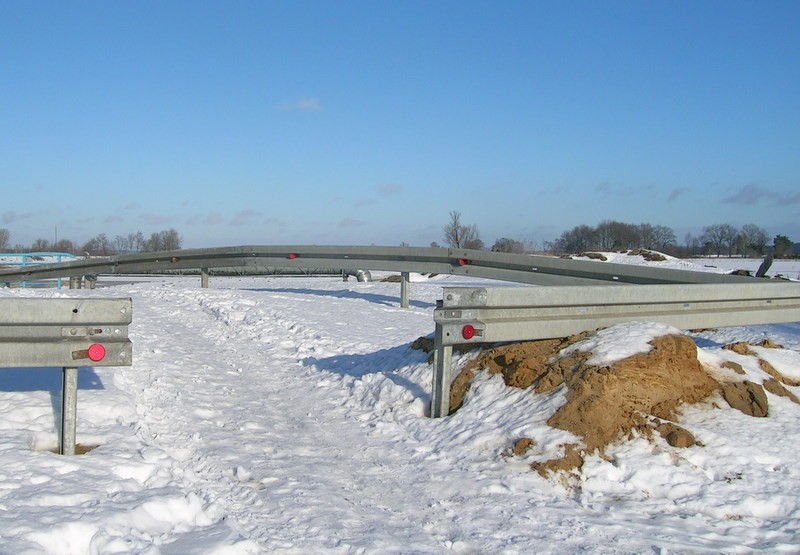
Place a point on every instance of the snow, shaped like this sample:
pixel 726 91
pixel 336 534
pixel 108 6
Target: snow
pixel 619 342
pixel 288 415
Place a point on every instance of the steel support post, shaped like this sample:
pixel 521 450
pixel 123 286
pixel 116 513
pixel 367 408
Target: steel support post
pixel 204 278
pixel 69 410
pixel 404 277
pixel 75 282
pixel 442 361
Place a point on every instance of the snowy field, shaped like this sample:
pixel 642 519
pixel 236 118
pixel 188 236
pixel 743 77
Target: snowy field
pixel 288 415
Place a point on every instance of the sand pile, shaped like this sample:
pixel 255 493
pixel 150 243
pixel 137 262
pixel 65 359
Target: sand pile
pixel 606 403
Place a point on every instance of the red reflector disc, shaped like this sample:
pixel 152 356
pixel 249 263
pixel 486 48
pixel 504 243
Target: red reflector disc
pixel 291 256
pixel 463 261
pixel 468 332
pixel 97 352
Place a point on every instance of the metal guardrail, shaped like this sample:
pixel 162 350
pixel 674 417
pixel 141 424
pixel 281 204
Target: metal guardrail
pixel 66 333
pixel 497 314
pixel 529 269
pixel 25 259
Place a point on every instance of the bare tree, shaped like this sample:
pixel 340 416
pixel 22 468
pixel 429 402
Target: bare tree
pixel 719 238
pixel 167 240
pixel 98 246
pixel 504 244
pixel 5 239
pixel 754 239
pixel 460 236
pixel 664 238
pixel 40 245
pixel 64 245
pixel 577 239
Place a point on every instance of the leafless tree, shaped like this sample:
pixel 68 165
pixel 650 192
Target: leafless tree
pixel 720 238
pixel 5 239
pixel 461 236
pixel 504 244
pixel 754 239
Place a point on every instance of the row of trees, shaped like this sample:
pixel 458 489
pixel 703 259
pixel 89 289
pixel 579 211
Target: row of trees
pixel 466 236
pixel 610 235
pixel 717 239
pixel 101 245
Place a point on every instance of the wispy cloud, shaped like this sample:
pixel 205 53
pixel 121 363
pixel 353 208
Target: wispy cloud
pixel 791 199
pixel 245 217
pixel 675 194
pixel 302 105
pixel 363 203
pixel 558 190
pixel 749 194
pixel 752 193
pixel 607 189
pixel 212 218
pixel 11 216
pixel 154 219
pixel 351 222
pixel 390 189
pixel 114 220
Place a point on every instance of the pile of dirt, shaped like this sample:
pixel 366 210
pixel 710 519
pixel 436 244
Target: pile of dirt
pixel 650 256
pixel 594 256
pixel 607 403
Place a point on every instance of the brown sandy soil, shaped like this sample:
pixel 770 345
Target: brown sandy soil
pixel 607 403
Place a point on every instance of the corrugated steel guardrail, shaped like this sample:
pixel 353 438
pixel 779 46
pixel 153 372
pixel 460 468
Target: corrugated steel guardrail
pixel 497 314
pixel 537 270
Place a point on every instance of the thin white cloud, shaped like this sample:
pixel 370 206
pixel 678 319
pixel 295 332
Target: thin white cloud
pixel 9 217
pixel 245 217
pixel 390 189
pixel 154 219
pixel 677 193
pixel 753 193
pixel 302 105
pixel 749 194
pixel 351 222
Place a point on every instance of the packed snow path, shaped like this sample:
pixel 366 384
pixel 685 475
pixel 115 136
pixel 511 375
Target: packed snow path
pixel 287 415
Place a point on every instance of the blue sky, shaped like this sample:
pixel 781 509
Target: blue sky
pixel 367 122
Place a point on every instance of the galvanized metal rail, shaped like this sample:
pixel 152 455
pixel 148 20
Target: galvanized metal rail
pixel 536 270
pixel 66 333
pixel 496 314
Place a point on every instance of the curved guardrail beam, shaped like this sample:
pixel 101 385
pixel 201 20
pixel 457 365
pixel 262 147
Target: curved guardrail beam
pixel 530 269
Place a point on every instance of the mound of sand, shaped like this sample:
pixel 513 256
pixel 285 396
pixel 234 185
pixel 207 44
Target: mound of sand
pixel 607 403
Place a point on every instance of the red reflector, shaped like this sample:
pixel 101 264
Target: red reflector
pixel 463 261
pixel 291 256
pixel 468 332
pixel 96 352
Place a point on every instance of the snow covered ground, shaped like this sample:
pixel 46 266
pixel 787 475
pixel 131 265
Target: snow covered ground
pixel 287 415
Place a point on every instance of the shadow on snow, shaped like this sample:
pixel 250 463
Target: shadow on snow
pixel 384 361
pixel 386 300
pixel 17 380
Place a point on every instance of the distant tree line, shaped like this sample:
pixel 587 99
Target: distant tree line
pixel 610 235
pixel 718 239
pixel 101 245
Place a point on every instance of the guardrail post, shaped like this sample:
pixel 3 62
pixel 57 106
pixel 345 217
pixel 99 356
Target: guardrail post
pixel 204 278
pixel 75 282
pixel 404 276
pixel 69 410
pixel 440 390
